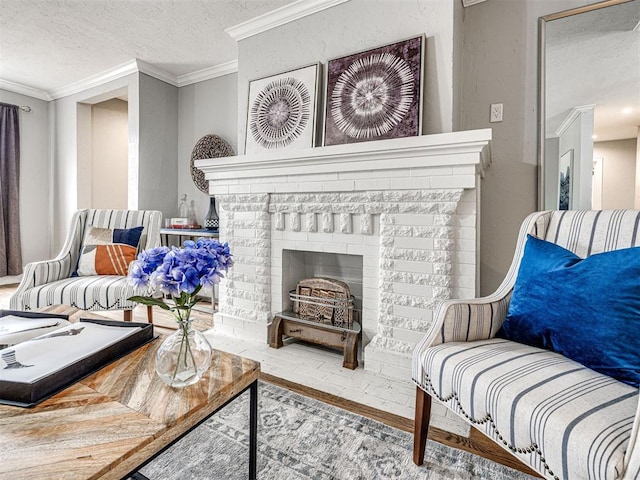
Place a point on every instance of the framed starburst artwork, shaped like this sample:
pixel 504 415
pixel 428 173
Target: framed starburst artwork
pixel 282 110
pixel 376 94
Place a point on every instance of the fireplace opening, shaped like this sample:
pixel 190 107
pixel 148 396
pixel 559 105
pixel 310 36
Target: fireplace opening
pixel 298 265
pixel 321 299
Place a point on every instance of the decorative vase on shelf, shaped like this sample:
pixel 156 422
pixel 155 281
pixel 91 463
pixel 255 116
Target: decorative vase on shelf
pixel 183 208
pixel 191 215
pixel 212 221
pixel 183 357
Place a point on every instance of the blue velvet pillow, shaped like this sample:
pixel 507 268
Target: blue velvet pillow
pixel 586 309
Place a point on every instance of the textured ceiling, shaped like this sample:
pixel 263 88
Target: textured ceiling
pixel 592 58
pixel 49 44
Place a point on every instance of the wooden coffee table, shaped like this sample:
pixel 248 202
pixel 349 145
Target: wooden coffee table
pixel 113 422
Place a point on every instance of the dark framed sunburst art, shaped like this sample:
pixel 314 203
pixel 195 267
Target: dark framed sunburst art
pixel 282 110
pixel 375 94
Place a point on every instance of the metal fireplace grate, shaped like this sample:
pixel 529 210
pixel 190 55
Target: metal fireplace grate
pixel 324 300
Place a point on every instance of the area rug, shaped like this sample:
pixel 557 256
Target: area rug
pixel 303 438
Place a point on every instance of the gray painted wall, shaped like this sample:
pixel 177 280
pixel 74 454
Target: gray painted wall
pixel 204 108
pixel 34 175
pixel 618 172
pixel 352 27
pixel 500 58
pixel 158 147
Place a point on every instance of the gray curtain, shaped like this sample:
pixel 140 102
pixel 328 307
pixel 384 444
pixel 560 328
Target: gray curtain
pixel 10 252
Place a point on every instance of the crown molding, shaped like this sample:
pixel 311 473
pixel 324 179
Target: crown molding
pixel 156 72
pixel 23 90
pixel 280 16
pixel 132 66
pixel 208 73
pixel 573 114
pixel 95 80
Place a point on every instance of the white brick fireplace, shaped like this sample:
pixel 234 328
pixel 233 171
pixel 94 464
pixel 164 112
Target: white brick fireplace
pixel 408 207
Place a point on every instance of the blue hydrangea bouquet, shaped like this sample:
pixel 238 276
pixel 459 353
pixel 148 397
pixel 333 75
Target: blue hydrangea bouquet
pixel 180 273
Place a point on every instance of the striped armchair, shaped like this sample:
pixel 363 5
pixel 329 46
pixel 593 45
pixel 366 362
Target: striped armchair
pixel 50 282
pixel 562 419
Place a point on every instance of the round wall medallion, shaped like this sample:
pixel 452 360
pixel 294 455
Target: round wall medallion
pixel 280 113
pixel 209 146
pixel 372 96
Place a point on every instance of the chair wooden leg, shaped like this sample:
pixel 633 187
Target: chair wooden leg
pixel 149 314
pixel 127 315
pixel 421 425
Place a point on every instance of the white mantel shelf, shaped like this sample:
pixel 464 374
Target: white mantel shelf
pixel 471 147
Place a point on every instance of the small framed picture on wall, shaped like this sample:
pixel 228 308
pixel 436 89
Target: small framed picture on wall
pixel 283 110
pixel 375 94
pixel 565 181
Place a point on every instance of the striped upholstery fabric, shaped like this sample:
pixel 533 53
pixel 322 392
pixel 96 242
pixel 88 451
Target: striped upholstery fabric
pixel 571 422
pixel 594 231
pixel 50 283
pixel 563 419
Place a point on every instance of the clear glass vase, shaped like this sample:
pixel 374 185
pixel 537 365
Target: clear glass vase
pixel 183 357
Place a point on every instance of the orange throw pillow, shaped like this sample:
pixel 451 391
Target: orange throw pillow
pixel 114 259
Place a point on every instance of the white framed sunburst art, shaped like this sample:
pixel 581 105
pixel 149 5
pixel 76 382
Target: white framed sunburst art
pixel 282 110
pixel 375 94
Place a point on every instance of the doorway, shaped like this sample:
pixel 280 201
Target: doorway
pixel 110 146
pixel 103 151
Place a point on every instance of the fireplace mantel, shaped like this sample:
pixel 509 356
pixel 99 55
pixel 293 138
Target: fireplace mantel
pixel 471 147
pixel 408 207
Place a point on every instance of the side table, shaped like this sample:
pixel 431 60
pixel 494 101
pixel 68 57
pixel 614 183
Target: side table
pixel 186 234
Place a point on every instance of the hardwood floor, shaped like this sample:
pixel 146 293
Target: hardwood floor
pixel 477 443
